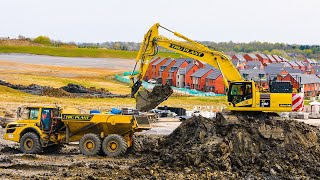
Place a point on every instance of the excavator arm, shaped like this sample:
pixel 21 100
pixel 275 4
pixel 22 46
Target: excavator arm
pixel 186 47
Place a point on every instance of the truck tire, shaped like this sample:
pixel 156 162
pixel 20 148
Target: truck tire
pixel 136 146
pixel 90 144
pixel 30 143
pixel 114 145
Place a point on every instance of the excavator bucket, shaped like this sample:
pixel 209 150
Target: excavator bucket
pixel 146 100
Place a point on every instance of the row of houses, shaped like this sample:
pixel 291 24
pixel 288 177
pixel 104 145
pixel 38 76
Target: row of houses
pixel 191 73
pixel 185 73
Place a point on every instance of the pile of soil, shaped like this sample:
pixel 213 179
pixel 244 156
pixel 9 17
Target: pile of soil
pixel 71 90
pixel 210 148
pixel 146 100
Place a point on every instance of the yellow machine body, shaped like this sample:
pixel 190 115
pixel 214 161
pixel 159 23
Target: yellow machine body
pixel 74 126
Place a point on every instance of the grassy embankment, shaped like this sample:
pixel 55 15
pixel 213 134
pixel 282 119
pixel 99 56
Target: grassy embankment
pixel 56 76
pixel 76 52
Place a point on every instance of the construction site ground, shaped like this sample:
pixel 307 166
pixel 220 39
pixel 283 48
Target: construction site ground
pixel 197 148
pixel 68 163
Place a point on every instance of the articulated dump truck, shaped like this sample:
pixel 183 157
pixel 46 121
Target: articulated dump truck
pixel 47 128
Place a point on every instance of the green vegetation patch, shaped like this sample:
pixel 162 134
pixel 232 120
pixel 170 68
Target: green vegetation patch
pixel 77 52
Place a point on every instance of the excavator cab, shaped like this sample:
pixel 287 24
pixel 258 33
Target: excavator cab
pixel 240 92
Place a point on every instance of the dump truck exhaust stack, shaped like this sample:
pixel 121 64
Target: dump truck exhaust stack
pixel 146 100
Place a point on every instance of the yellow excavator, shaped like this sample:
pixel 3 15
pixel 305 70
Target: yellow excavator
pixel 244 96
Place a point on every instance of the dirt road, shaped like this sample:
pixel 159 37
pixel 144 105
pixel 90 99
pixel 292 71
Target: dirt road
pixel 109 63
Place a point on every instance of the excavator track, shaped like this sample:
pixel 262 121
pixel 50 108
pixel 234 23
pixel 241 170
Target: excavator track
pixel 235 117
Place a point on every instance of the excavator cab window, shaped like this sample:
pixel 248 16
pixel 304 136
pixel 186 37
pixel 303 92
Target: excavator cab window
pixel 239 91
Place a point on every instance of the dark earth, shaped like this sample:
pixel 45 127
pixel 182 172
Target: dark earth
pixel 200 148
pixel 70 90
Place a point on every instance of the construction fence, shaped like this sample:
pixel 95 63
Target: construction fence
pixel 188 92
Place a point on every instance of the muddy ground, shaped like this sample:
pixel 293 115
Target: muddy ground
pixel 198 148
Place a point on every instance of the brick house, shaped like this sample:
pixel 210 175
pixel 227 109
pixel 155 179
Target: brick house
pixel 309 83
pixel 315 70
pixel 302 67
pixel 286 64
pixel 199 64
pixel 180 63
pixel 263 58
pixel 294 65
pixel 164 71
pixel 257 75
pixel 254 65
pixel 155 71
pixel 214 82
pixel 149 70
pixel 184 75
pixel 239 57
pixel 312 62
pixel 199 78
pixel 271 59
pixel 274 69
pixel 277 58
pixel 251 57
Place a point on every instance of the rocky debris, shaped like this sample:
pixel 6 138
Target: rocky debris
pixel 71 90
pixel 146 100
pixel 253 148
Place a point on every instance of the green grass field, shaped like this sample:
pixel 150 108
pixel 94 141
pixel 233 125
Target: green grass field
pixel 76 52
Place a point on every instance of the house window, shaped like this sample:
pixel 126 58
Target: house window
pixel 178 76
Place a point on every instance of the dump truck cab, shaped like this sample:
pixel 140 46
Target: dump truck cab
pixel 31 119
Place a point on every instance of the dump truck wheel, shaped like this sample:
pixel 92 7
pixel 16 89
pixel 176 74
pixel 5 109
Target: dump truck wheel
pixel 90 144
pixel 114 145
pixel 136 146
pixel 30 143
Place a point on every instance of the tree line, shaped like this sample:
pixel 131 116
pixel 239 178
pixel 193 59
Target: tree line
pixel 289 51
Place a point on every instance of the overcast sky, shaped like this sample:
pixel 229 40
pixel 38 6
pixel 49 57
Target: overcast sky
pixel 288 21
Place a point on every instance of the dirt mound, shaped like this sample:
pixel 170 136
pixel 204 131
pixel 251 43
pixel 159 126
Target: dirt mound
pixel 146 100
pixel 71 90
pixel 252 148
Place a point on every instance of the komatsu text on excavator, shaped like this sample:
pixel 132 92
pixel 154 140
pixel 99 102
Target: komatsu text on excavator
pixel 242 95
